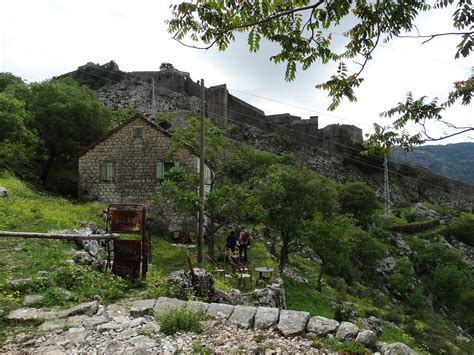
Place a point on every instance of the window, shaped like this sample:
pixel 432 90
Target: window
pixel 107 171
pixel 163 167
pixel 137 133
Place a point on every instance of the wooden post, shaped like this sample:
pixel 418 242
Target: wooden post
pixel 201 177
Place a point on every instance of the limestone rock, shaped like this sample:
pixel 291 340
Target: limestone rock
pixel 266 317
pixel 88 308
pixel 25 315
pixel 115 310
pixel 85 321
pixel 293 322
pixel 243 316
pixel 322 326
pixel 197 306
pixel 271 296
pixel 3 192
pixel 367 337
pixel 347 331
pixel 32 299
pixel 215 308
pixel 165 304
pixel 397 349
pixel 52 325
pixel 142 307
pixel 106 327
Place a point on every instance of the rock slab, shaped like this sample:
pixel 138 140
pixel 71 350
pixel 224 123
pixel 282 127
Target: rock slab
pixel 367 337
pixel 322 326
pixel 142 307
pixel 243 317
pixel 293 322
pixel 266 317
pixel 215 308
pixel 197 306
pixel 347 331
pixel 165 305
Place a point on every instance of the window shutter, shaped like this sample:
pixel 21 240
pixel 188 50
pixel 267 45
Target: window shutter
pixel 177 164
pixel 109 171
pixel 160 170
pixel 102 171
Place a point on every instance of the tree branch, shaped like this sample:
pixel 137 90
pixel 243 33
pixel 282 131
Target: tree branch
pixel 430 37
pixel 256 23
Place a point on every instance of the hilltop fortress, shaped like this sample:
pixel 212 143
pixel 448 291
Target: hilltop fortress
pixel 223 108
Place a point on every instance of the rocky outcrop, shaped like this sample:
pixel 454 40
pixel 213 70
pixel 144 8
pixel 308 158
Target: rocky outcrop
pixel 91 328
pixel 271 296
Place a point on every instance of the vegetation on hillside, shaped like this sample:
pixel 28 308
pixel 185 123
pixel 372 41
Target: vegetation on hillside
pixel 452 160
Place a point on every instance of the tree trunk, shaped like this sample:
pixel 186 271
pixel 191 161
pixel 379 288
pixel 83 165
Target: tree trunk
pixel 47 166
pixel 320 278
pixel 284 252
pixel 210 242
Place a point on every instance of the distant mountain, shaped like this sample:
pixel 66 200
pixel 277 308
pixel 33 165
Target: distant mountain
pixel 452 160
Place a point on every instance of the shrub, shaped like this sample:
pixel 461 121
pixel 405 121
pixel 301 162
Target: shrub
pixel 181 319
pixel 360 200
pixel 200 349
pixel 462 228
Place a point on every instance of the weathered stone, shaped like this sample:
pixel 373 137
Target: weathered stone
pixel 52 325
pixel 89 309
pixel 197 306
pixel 243 316
pixel 106 327
pixel 142 342
pixel 266 317
pixel 116 310
pixel 347 331
pixel 25 315
pixel 165 304
pixel 322 326
pixel 85 321
pixel 141 308
pixel 215 308
pixel 234 297
pixel 293 322
pixel 271 296
pixel 32 299
pixel 367 337
pixel 3 192
pixel 374 324
pixel 397 349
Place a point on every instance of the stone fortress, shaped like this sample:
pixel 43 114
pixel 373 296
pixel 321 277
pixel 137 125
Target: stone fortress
pixel 223 108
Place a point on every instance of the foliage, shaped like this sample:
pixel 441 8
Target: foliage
pixel 17 142
pixel 462 228
pixel 289 196
pixel 449 282
pixel 181 319
pixel 302 32
pixel 198 348
pixel 160 286
pixel 360 200
pixel 68 117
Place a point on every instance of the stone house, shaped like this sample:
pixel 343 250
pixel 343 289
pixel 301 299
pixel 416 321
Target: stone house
pixel 128 164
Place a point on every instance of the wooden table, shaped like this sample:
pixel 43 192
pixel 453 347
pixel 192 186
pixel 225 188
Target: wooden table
pixel 262 271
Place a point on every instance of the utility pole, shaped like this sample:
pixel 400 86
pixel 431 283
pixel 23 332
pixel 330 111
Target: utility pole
pixel 201 177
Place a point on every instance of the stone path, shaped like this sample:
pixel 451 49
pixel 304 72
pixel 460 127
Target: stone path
pixel 92 328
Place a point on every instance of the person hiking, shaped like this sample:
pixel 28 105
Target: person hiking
pixel 244 242
pixel 231 241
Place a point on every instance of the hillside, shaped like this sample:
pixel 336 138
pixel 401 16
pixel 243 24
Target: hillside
pixel 404 301
pixel 455 161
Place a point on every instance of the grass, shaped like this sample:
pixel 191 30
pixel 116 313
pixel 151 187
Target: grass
pixel 181 319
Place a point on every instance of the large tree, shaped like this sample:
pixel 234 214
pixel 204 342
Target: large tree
pixel 68 117
pixel 290 195
pixel 302 30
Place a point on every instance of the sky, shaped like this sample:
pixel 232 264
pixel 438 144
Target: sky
pixel 42 39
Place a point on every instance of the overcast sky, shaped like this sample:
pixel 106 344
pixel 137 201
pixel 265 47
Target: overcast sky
pixel 41 39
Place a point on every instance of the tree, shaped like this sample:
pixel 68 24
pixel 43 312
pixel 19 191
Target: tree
pixel 17 142
pixel 68 117
pixel 230 199
pixel 330 239
pixel 291 195
pixel 301 29
pixel 358 199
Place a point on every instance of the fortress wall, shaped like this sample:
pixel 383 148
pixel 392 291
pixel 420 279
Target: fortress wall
pixel 217 104
pixel 241 111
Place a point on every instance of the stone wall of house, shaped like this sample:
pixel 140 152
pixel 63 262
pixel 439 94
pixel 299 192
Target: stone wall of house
pixel 134 178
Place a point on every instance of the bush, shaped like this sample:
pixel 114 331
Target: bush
pixel 181 319
pixel 462 228
pixel 360 200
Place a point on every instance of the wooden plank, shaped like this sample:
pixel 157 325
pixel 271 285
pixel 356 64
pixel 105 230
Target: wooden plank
pixel 7 234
